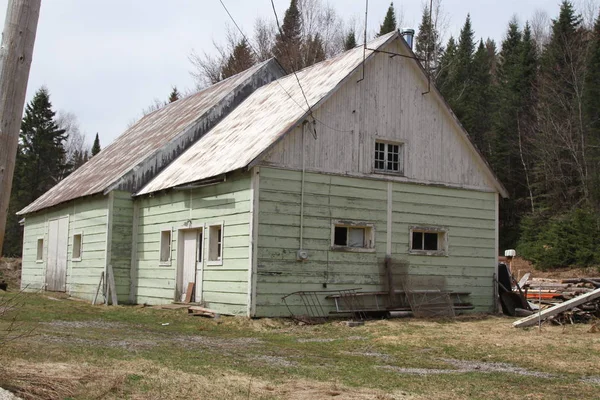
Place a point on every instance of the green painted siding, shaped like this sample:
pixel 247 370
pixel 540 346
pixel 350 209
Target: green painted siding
pixel 468 215
pixel 87 216
pixel 121 241
pixel 225 287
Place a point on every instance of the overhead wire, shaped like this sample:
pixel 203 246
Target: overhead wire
pixel 309 111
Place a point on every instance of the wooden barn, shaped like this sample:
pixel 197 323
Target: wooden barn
pixel 288 190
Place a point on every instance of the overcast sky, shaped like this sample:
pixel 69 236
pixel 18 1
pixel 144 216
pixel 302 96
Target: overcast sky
pixel 106 60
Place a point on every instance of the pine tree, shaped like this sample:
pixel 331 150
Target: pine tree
pixel 428 46
pixel 313 50
pixel 240 60
pixel 40 163
pixel 350 41
pixel 476 104
pixel 175 95
pixel 389 22
pixel 445 73
pixel 96 146
pixel 461 79
pixel 288 42
pixel 592 112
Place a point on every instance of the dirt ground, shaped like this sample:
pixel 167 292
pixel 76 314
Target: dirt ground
pixel 520 267
pixel 10 272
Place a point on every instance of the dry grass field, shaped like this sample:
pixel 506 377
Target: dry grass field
pixel 72 350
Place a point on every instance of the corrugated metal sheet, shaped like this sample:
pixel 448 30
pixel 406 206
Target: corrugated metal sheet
pixel 143 140
pixel 260 120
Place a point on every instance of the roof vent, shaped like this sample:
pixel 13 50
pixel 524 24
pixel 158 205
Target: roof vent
pixel 408 35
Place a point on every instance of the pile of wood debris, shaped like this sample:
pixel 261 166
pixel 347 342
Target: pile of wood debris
pixel 561 301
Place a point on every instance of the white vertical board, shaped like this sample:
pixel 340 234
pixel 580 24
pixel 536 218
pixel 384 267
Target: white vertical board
pixel 56 270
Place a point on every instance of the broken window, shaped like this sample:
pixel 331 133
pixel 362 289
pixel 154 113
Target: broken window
pixel 40 250
pixel 215 244
pixel 428 240
pixel 165 246
pixel 389 157
pixel 352 235
pixel 77 238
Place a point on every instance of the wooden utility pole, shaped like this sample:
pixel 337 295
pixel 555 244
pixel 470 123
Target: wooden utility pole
pixel 16 52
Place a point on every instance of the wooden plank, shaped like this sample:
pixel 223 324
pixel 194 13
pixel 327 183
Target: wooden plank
pixel 98 288
pixel 557 309
pixel 111 287
pixel 189 292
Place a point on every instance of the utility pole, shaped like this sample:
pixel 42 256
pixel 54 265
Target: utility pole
pixel 16 52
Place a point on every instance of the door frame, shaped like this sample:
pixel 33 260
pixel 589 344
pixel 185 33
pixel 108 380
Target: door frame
pixel 46 250
pixel 198 292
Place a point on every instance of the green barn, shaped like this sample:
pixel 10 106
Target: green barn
pixel 294 188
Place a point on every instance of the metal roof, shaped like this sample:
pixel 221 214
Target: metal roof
pixel 144 139
pixel 260 120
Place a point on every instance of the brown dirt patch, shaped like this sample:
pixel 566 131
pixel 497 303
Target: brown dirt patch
pixel 10 272
pixel 520 267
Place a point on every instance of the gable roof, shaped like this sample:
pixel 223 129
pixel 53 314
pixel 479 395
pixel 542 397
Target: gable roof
pixel 155 140
pixel 271 112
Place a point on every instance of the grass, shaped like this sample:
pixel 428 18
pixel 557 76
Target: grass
pixel 79 351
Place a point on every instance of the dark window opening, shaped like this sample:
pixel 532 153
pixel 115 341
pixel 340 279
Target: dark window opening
pixel 340 236
pixel 430 242
pixel 417 241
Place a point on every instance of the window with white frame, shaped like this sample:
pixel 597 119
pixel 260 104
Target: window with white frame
pixel 40 250
pixel 215 244
pixel 165 246
pixel 428 240
pixel 77 241
pixel 352 236
pixel 389 157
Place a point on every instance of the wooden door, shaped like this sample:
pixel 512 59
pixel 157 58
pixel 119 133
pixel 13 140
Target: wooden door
pixel 56 264
pixel 188 271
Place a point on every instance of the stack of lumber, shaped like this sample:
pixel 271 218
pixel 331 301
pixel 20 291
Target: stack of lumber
pixel 565 301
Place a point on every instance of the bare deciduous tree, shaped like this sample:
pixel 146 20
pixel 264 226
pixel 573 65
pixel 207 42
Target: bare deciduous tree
pixel 76 145
pixel 540 29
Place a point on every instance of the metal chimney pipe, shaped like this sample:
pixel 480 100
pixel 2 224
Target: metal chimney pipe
pixel 408 35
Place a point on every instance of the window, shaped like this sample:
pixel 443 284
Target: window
pixel 389 157
pixel 165 246
pixel 40 250
pixel 76 256
pixel 215 244
pixel 353 236
pixel 428 240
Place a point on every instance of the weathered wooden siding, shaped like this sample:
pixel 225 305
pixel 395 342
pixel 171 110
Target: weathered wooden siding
pixel 225 287
pixel 121 240
pixel 87 216
pixel 468 215
pixel 388 104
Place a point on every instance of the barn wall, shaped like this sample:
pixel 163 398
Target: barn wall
pixel 87 216
pixel 121 242
pixel 388 104
pixel 225 287
pixel 469 217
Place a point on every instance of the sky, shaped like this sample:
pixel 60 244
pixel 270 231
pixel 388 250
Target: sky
pixel 107 60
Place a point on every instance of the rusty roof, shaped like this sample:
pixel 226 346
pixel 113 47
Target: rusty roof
pixel 143 139
pixel 260 120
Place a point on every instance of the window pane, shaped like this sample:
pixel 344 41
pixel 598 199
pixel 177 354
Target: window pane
pixel 77 246
pixel 417 240
pixel 165 245
pixel 431 241
pixel 356 238
pixel 40 250
pixel 340 236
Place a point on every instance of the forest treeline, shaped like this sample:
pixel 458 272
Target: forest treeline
pixel 531 104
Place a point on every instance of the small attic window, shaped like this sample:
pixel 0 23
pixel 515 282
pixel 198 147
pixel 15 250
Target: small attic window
pixel 389 157
pixel 40 250
pixel 77 240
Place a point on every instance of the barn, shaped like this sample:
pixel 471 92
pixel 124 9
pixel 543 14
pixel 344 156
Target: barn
pixel 308 187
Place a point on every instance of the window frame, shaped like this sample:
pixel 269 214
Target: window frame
pixel 208 256
pixel 39 255
pixel 401 156
pixel 369 228
pixel 442 233
pixel 161 261
pixel 73 258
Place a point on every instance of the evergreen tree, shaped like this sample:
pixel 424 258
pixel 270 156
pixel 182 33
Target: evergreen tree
pixel 313 50
pixel 288 42
pixel 350 41
pixel 175 95
pixel 460 81
pixel 445 72
pixel 240 60
pixel 96 146
pixel 592 111
pixel 428 46
pixel 40 163
pixel 477 102
pixel 389 22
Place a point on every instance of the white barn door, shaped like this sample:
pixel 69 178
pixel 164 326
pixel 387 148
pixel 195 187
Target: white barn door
pixel 191 257
pixel 56 266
